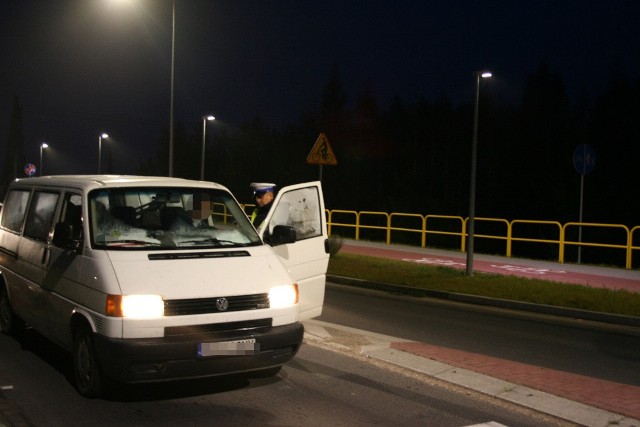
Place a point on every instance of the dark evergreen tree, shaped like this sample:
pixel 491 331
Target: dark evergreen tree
pixel 611 189
pixel 333 120
pixel 14 159
pixel 334 101
pixel 543 153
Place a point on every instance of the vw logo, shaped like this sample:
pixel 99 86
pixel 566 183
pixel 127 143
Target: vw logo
pixel 222 304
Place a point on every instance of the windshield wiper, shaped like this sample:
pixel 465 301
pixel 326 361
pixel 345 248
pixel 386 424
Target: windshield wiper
pixel 210 240
pixel 132 242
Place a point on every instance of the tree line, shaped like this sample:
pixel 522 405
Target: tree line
pixel 414 157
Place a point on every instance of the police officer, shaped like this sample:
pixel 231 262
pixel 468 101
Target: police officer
pixel 263 193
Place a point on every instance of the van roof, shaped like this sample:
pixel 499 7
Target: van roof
pixel 90 182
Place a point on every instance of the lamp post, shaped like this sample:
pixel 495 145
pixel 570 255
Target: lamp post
pixel 105 136
pixel 205 119
pixel 472 189
pixel 42 147
pixel 173 50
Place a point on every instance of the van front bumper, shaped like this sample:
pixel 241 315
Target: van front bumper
pixel 163 359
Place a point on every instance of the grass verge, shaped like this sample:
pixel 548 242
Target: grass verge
pixel 514 288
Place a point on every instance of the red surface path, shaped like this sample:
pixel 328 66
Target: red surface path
pixel 609 278
pixel 614 397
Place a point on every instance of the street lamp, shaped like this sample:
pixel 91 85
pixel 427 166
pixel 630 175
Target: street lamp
pixel 205 119
pixel 42 147
pixel 105 136
pixel 173 50
pixel 472 190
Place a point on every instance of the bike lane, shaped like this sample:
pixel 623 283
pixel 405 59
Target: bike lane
pixel 599 277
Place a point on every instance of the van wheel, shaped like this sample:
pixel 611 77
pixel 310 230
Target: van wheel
pixel 85 364
pixel 9 322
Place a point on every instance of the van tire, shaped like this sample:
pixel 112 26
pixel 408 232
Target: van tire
pixel 86 371
pixel 10 323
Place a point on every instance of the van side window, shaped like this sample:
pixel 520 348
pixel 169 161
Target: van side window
pixel 14 210
pixel 40 218
pixel 71 214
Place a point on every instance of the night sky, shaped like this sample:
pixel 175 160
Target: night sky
pixel 82 67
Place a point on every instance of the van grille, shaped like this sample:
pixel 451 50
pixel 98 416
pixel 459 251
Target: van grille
pixel 183 307
pixel 213 328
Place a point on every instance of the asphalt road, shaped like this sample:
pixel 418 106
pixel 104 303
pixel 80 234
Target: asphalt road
pixel 319 387
pixel 566 345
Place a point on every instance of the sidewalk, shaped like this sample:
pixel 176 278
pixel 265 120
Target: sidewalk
pixel 575 398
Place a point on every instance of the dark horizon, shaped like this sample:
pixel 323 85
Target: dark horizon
pixel 564 74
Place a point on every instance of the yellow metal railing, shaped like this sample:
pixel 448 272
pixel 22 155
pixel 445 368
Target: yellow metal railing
pixel 462 233
pixel 626 246
pixel 553 224
pixel 425 225
pixel 456 226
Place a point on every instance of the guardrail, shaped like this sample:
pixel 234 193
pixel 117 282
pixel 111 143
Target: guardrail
pixel 560 236
pixel 552 233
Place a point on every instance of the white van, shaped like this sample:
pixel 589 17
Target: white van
pixel 150 278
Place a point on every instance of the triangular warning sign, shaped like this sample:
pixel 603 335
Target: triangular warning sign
pixel 321 153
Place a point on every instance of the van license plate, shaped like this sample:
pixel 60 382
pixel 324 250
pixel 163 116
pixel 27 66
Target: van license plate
pixel 228 348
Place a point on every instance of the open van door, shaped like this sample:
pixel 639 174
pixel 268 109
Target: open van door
pixel 301 206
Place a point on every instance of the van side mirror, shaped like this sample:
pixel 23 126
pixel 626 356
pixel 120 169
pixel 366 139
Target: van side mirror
pixel 281 235
pixel 64 236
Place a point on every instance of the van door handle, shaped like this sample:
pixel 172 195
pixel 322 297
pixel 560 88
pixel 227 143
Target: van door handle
pixel 46 254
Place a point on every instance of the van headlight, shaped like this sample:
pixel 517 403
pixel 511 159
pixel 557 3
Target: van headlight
pixel 283 296
pixel 135 306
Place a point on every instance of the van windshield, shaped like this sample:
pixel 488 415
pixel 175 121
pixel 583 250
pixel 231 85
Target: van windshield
pixel 164 218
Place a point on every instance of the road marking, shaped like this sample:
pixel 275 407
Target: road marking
pixel 489 424
pixel 507 267
pixel 436 261
pixel 529 270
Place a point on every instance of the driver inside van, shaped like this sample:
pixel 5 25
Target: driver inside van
pixel 202 209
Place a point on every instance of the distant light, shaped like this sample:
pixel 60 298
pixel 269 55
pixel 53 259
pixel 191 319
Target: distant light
pixel 210 118
pixel 485 74
pixel 44 145
pixel 104 135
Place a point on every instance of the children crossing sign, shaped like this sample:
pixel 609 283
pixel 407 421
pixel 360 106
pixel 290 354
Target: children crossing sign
pixel 321 153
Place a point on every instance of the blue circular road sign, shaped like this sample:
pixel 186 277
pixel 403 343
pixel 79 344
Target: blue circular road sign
pixel 584 159
pixel 30 169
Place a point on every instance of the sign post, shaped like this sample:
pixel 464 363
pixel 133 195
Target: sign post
pixel 584 160
pixel 322 154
